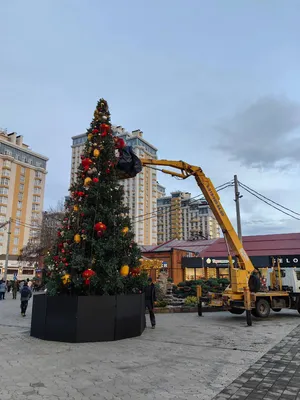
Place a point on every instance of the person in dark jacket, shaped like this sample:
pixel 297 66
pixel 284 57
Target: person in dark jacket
pixel 25 297
pixel 150 298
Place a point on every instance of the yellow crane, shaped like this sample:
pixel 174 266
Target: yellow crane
pixel 237 297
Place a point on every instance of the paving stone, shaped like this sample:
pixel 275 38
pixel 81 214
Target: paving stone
pixel 278 379
pixel 185 358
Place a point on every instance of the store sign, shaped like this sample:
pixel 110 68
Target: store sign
pixel 216 261
pixel 287 261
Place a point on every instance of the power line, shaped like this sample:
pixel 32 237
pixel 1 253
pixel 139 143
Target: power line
pixel 178 207
pixel 26 225
pixel 270 204
pixel 173 208
pixel 272 201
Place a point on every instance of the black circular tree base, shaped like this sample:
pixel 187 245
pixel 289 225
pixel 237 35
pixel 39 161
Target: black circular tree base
pixel 79 319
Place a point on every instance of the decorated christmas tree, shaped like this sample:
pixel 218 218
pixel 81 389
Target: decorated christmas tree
pixel 95 251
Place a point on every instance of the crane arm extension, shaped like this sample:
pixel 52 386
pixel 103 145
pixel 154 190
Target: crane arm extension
pixel 213 199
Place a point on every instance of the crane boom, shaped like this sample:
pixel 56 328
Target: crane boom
pixel 209 192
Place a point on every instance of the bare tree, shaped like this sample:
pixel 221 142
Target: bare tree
pixel 37 246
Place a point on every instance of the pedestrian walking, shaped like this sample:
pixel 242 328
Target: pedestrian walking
pixel 15 289
pixel 150 298
pixel 25 297
pixel 2 289
pixel 29 283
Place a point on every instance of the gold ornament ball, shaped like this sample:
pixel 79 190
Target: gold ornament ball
pixel 96 153
pixel 90 136
pixel 87 181
pixel 76 208
pixel 77 238
pixel 66 279
pixel 124 271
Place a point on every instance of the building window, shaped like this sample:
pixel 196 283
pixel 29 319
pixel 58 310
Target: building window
pixel 37 190
pixel 18 221
pixel 3 190
pixel 19 204
pixel 2 218
pixel 4 181
pixel 3 200
pixel 16 241
pixel 21 188
pixel 3 209
pixel 36 199
pixel 37 182
pixel 22 178
pixel 1 238
pixel 17 231
pixel 18 213
pixel 15 250
pixel 5 172
pixel 20 196
pixel 35 207
pixel 7 163
pixel 38 174
pixel 22 170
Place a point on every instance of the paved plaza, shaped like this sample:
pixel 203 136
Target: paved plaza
pixel 187 357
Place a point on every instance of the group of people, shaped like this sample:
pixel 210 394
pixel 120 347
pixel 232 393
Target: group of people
pixel 25 289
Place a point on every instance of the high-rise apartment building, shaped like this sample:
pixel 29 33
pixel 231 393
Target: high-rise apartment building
pixel 22 185
pixel 161 191
pixel 180 217
pixel 141 192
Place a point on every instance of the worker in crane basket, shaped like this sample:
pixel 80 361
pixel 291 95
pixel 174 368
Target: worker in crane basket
pixel 129 165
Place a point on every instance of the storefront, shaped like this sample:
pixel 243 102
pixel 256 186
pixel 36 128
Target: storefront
pixel 218 267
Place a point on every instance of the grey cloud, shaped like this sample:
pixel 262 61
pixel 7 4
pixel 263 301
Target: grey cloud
pixel 270 226
pixel 264 135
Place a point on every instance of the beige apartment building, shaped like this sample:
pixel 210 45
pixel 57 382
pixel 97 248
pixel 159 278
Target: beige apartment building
pixel 22 185
pixel 141 192
pixel 181 217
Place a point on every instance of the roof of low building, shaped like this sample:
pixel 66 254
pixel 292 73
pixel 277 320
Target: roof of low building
pixel 260 245
pixel 196 246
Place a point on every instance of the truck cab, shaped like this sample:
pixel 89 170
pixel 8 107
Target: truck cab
pixel 290 278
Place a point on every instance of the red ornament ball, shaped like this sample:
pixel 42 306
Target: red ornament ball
pixel 95 131
pixel 87 274
pixel 100 227
pixel 95 180
pixel 86 163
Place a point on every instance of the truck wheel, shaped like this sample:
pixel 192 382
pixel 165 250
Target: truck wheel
pixel 276 309
pixel 262 308
pixel 237 311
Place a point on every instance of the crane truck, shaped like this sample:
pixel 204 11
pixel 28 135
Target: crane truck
pixel 244 293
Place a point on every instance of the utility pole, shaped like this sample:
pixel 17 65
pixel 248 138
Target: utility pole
pixel 7 250
pixel 237 197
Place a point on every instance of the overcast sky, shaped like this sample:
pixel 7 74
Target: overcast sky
pixel 214 83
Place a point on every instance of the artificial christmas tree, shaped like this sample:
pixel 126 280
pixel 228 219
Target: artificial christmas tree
pixel 95 254
pixel 95 240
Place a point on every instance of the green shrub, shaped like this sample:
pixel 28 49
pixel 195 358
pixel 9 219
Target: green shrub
pixel 161 304
pixel 159 291
pixel 189 288
pixel 191 301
